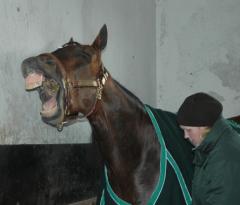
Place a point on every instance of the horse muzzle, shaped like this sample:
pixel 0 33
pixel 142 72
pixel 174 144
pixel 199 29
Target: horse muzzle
pixel 39 76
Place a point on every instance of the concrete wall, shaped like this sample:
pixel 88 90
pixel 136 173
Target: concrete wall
pixel 130 55
pixel 198 49
pixel 161 50
pixel 31 27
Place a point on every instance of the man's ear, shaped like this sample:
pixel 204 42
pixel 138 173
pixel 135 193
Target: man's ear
pixel 100 41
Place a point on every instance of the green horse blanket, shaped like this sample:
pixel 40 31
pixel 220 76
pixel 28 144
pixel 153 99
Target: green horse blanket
pixel 176 169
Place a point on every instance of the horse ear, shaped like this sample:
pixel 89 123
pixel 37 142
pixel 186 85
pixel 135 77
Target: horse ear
pixel 100 41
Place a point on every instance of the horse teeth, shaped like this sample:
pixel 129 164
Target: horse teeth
pixel 38 84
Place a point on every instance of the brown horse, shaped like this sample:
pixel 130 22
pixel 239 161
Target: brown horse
pixel 73 83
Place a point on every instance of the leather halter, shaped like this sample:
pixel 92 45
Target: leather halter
pixel 66 116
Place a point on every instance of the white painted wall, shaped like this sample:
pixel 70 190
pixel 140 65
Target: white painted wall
pixel 130 55
pixel 161 50
pixel 198 49
pixel 31 27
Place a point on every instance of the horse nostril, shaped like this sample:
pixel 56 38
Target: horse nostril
pixel 50 62
pixel 46 60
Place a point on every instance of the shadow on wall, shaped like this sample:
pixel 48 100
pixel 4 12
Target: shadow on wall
pixel 48 174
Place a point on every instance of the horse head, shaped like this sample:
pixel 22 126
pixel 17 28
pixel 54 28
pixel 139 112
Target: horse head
pixel 69 80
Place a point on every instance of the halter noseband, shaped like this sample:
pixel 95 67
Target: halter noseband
pixel 69 84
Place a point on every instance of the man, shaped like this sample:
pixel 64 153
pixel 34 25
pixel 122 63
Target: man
pixel 216 178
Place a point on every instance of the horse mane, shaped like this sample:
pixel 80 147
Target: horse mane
pixel 129 93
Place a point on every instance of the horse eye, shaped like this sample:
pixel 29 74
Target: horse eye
pixel 50 62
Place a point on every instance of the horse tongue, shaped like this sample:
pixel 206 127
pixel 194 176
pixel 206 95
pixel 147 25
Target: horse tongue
pixel 33 80
pixel 49 108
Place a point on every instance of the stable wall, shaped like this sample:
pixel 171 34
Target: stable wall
pixel 198 49
pixel 161 50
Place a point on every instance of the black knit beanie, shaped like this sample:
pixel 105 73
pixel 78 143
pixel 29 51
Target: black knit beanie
pixel 198 110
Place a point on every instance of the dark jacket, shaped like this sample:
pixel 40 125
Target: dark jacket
pixel 217 167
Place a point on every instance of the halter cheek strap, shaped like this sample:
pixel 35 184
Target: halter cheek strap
pixel 66 117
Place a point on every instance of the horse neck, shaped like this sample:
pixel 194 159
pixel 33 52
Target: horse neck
pixel 123 131
pixel 119 120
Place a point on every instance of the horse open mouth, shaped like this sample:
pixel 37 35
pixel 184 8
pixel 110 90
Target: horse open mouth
pixel 48 90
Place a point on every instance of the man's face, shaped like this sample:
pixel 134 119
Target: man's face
pixel 194 134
